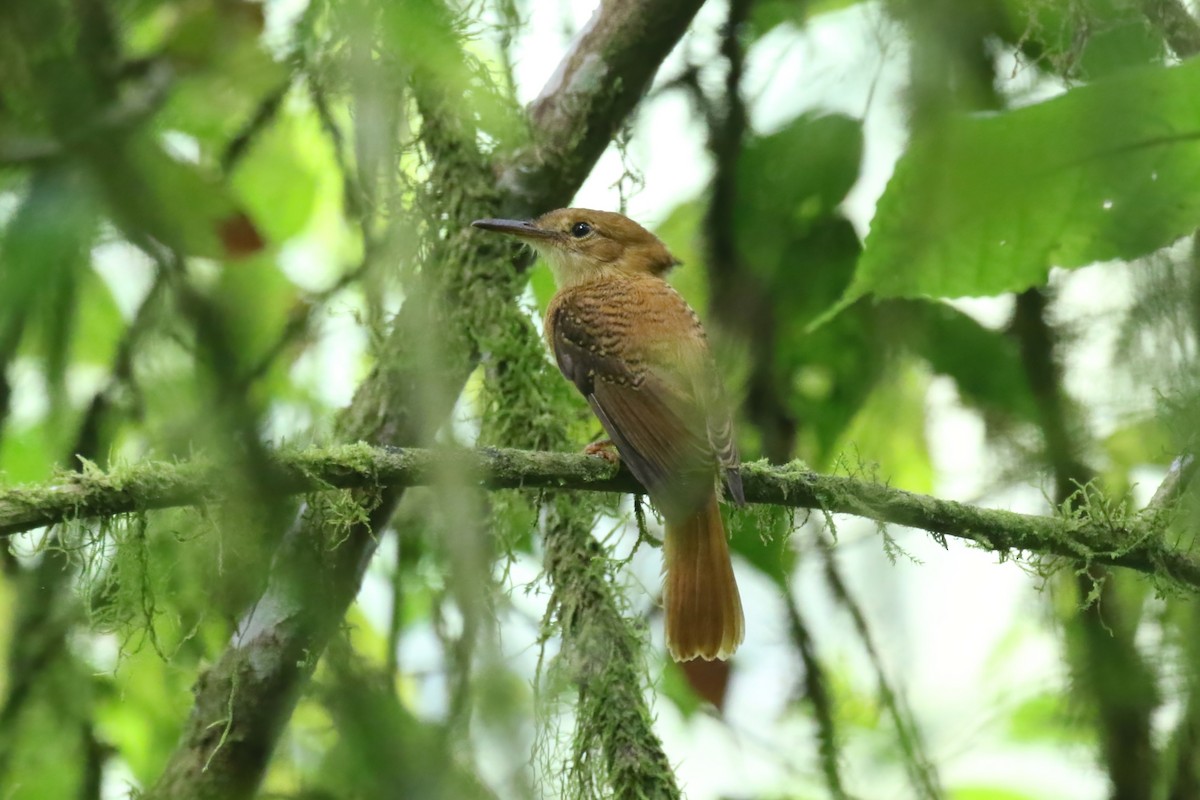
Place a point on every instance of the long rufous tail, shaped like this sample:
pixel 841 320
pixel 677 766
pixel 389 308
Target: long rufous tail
pixel 704 610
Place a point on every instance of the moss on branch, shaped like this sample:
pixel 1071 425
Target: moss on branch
pixel 1092 534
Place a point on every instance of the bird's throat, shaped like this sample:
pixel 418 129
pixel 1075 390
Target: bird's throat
pixel 571 269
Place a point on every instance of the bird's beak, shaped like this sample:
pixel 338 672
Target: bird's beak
pixel 522 229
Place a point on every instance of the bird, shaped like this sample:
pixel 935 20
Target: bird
pixel 638 353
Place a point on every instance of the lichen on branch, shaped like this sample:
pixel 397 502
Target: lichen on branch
pixel 1097 531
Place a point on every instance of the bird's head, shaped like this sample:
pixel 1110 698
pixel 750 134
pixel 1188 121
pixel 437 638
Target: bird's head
pixel 581 244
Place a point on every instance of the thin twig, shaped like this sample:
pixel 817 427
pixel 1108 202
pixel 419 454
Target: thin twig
pixel 263 116
pixel 816 689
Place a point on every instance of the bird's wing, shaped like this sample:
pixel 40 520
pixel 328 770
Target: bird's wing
pixel 646 400
pixel 720 426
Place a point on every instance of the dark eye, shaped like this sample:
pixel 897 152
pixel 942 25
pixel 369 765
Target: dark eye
pixel 580 230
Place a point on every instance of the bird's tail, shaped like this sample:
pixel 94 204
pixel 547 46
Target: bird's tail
pixel 704 611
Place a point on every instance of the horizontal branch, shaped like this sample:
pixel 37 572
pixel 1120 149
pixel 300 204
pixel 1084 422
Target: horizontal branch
pixel 1134 541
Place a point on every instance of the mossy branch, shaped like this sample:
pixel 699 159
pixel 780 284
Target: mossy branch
pixel 1136 541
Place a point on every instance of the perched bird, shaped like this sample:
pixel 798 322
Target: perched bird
pixel 638 353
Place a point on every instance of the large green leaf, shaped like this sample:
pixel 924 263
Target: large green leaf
pixel 1045 717
pixel 985 792
pixel 189 207
pixel 987 204
pixel 829 373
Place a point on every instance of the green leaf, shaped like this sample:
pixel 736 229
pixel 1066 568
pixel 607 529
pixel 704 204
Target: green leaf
pixel 1142 442
pixel 180 204
pixel 224 72
pixel 95 324
pixel 791 236
pixel 825 375
pixel 27 455
pixel 766 14
pixel 985 364
pixel 830 374
pixel 255 298
pixel 100 325
pixel 801 172
pixel 888 434
pixel 789 231
pixel 194 210
pixel 789 186
pixel 675 687
pixel 277 180
pixel 990 793
pixel 680 232
pixel 815 264
pixel 43 258
pixel 1129 42
pixel 987 204
pixel 1046 717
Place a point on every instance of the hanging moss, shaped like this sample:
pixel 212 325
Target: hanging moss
pixel 614 750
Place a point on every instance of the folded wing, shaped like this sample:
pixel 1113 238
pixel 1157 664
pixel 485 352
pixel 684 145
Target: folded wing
pixel 652 405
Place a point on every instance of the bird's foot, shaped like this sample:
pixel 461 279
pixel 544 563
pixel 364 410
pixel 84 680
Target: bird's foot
pixel 603 449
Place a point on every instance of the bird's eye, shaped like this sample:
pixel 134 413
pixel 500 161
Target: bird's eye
pixel 580 230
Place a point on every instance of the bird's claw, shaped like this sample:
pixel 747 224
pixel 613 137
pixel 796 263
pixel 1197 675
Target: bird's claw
pixel 604 449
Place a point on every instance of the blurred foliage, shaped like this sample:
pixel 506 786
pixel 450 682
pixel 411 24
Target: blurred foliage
pixel 209 212
pixel 1118 36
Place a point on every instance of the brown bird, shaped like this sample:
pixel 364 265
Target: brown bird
pixel 638 353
